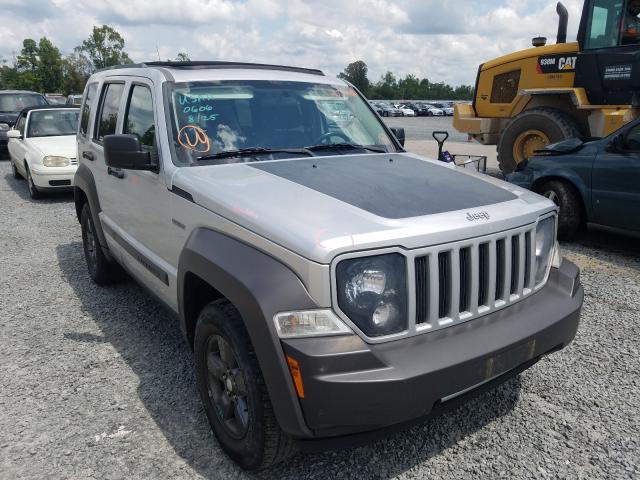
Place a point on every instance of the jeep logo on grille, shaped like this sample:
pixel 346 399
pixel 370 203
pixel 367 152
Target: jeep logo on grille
pixel 473 216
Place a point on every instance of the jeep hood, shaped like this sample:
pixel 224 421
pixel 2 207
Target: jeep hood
pixel 322 206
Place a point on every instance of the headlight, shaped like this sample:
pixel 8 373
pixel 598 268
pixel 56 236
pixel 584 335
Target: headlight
pixel 51 161
pixel 545 241
pixel 4 127
pixel 372 292
pixel 309 323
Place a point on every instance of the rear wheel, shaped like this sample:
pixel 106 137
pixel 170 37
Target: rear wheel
pixel 565 196
pixel 102 270
pixel 233 390
pixel 530 131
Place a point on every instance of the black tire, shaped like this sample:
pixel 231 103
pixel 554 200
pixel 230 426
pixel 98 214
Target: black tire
pixel 102 270
pixel 429 114
pixel 14 170
pixel 556 125
pixel 565 196
pixel 259 443
pixel 34 193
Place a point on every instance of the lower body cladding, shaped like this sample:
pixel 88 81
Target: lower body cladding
pixel 61 179
pixel 353 387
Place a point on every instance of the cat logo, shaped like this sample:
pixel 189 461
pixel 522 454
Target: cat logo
pixel 557 64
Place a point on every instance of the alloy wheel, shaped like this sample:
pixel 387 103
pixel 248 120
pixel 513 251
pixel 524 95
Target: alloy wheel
pixel 226 387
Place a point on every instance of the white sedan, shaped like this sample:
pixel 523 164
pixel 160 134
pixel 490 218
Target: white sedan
pixel 406 111
pixel 42 148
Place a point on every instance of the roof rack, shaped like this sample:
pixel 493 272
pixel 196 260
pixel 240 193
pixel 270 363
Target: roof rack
pixel 200 65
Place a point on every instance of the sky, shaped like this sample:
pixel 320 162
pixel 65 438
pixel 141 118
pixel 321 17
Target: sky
pixel 442 40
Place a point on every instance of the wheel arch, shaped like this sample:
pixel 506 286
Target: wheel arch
pixel 212 266
pixel 570 179
pixel 85 191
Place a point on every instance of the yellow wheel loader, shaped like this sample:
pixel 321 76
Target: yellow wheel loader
pixel 589 88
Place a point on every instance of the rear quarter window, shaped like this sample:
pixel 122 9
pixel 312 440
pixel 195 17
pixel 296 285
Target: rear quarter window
pixel 108 119
pixel 86 108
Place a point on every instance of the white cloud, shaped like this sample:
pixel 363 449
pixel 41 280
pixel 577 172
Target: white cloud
pixel 444 41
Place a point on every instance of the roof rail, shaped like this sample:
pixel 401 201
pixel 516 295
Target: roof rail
pixel 199 65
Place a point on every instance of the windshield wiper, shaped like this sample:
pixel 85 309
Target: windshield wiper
pixel 246 152
pixel 345 146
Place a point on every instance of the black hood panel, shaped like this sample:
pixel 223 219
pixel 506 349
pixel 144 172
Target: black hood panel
pixel 394 186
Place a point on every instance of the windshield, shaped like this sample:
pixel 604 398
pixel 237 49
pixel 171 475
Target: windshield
pixel 53 123
pixel 56 100
pixel 209 118
pixel 15 102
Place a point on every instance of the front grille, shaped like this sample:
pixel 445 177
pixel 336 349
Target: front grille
pixel 457 282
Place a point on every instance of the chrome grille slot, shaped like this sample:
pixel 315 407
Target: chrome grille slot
pixel 515 264
pixel 444 280
pixel 463 280
pixel 422 289
pixel 483 274
pixel 500 269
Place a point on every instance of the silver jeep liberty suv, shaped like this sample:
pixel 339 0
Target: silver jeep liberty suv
pixel 331 284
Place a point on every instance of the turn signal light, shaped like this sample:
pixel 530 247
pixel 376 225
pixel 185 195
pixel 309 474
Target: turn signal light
pixel 294 368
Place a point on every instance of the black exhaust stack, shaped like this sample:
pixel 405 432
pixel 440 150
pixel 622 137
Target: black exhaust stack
pixel 562 23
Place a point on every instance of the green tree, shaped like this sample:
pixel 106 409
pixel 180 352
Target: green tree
pixel 183 57
pixel 104 48
pixel 76 71
pixel 49 66
pixel 356 74
pixel 27 65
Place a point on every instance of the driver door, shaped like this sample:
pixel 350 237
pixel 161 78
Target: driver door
pixel 16 147
pixel 616 184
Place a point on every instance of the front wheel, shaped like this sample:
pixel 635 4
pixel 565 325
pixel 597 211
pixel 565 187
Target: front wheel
pixel 14 170
pixel 568 201
pixel 34 193
pixel 233 391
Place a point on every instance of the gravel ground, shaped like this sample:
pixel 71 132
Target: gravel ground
pixel 98 383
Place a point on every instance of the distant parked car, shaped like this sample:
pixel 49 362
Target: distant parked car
pixel 11 103
pixel 596 182
pixel 406 111
pixel 433 111
pixel 446 108
pixel 389 110
pixel 74 100
pixel 55 98
pixel 42 148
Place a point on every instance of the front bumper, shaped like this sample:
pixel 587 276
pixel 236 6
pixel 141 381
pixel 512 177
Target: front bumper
pixel 351 386
pixel 53 178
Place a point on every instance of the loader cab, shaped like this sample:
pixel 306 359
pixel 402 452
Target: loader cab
pixel 608 65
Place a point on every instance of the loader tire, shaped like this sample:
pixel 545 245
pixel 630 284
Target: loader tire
pixel 533 130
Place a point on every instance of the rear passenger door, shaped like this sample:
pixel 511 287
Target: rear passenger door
pixel 136 203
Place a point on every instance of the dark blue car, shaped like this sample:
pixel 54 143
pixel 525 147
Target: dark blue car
pixel 594 182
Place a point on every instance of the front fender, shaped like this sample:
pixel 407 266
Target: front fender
pixel 259 286
pixel 84 183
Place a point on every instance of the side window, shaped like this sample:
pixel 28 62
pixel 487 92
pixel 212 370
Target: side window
pixel 111 95
pixel 605 22
pixel 86 108
pixel 21 123
pixel 139 117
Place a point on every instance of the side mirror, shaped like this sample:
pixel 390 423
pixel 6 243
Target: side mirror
pixel 616 145
pixel 399 134
pixel 124 151
pixel 14 134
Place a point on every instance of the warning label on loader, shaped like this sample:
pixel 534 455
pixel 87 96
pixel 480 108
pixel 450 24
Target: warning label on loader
pixel 557 63
pixel 618 72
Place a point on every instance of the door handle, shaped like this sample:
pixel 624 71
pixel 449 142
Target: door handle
pixel 115 173
pixel 88 156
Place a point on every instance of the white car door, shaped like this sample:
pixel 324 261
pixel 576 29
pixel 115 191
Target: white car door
pixel 17 147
